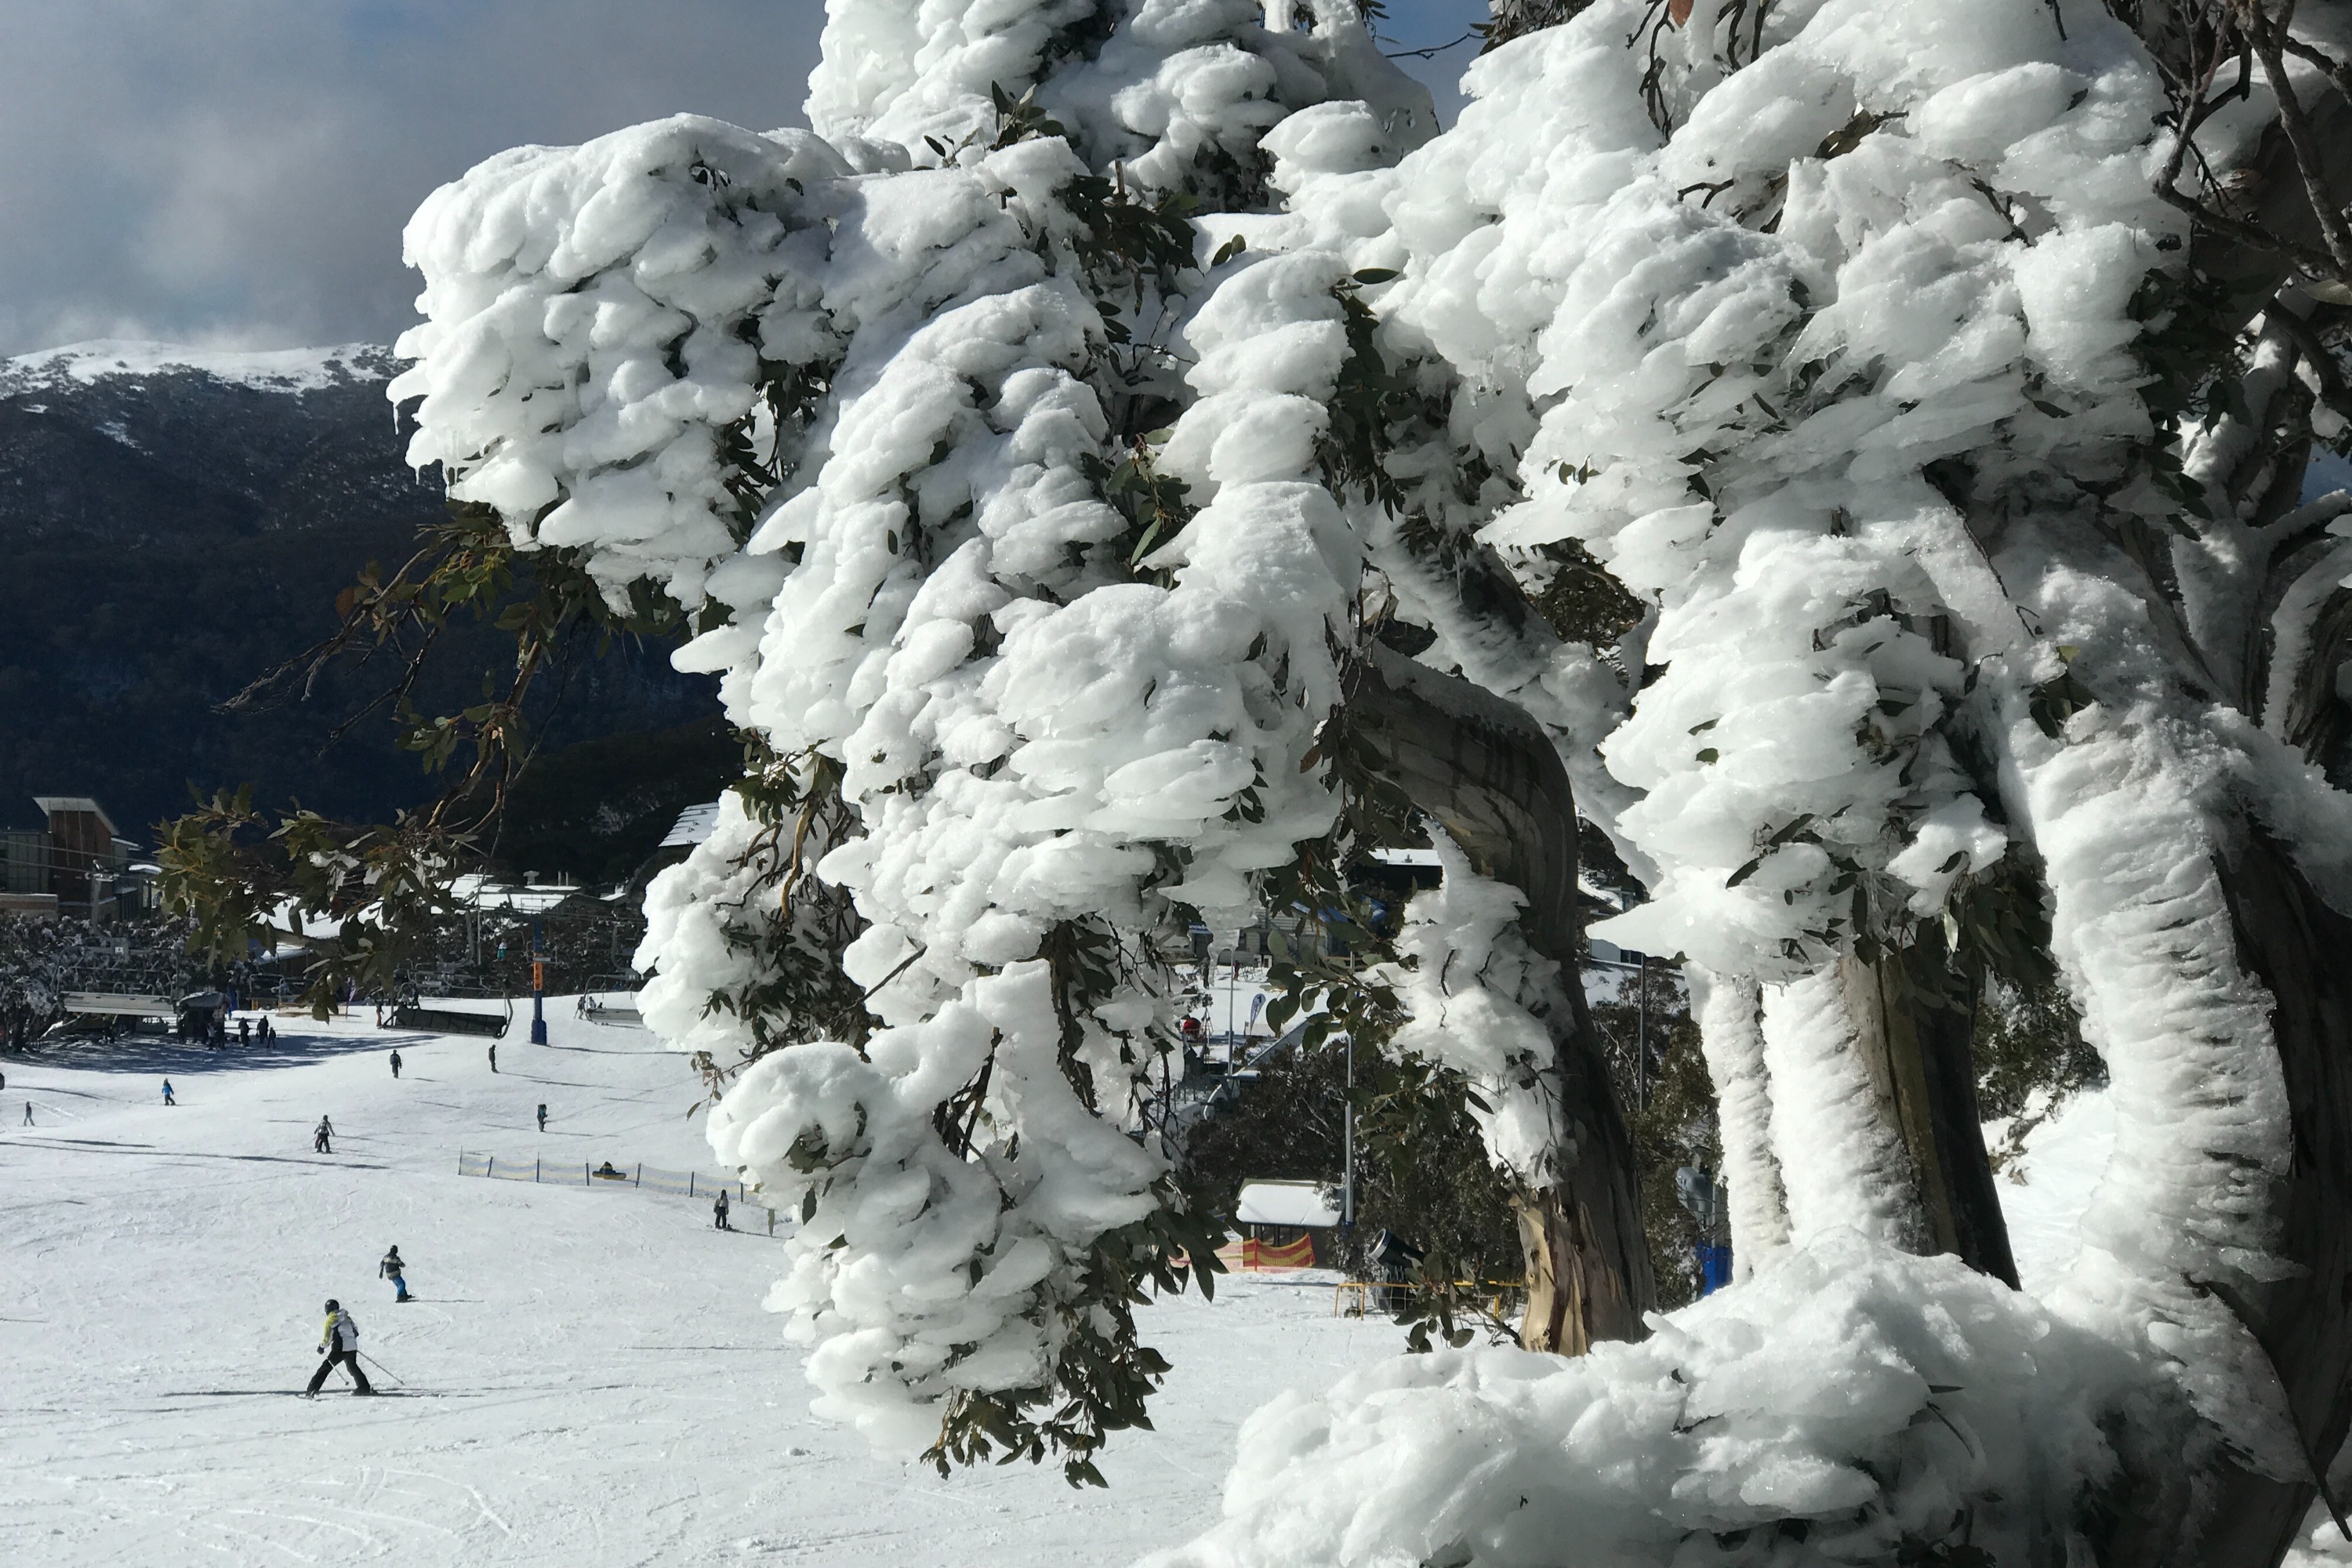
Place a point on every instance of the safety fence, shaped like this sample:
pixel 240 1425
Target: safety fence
pixel 746 1210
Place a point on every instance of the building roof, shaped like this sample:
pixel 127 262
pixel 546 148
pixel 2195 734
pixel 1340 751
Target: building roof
pixel 1310 1204
pixel 694 825
pixel 54 804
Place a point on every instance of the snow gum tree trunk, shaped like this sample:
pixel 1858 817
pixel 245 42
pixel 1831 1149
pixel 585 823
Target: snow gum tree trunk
pixel 2294 943
pixel 1921 1062
pixel 1492 778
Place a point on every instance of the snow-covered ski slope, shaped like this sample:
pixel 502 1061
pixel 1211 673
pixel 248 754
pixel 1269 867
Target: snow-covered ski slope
pixel 592 1379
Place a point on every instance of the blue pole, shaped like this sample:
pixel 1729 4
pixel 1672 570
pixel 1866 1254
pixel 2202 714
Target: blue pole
pixel 538 985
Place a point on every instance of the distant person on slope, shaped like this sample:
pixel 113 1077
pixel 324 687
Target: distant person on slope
pixel 339 1340
pixel 28 1113
pixel 167 1093
pixel 323 1138
pixel 393 1268
pixel 244 1031
pixel 494 1055
pixel 395 1064
pixel 542 1116
pixel 718 1209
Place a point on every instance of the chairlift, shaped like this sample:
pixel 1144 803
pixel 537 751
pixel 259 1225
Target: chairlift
pixel 611 999
pixel 117 1005
pixel 446 1015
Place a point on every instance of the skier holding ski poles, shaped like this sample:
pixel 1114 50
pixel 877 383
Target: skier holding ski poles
pixel 340 1338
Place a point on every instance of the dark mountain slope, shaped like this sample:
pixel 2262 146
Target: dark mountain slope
pixel 172 529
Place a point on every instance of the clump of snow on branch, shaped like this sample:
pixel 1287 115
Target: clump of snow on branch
pixel 1476 999
pixel 917 1271
pixel 1739 422
pixel 597 319
pixel 1903 1407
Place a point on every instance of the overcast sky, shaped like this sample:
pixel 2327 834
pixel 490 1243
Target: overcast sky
pixel 237 171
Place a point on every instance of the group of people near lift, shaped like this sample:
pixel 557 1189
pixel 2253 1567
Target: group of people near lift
pixel 208 1027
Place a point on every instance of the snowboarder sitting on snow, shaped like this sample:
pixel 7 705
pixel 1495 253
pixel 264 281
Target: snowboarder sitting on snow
pixel 341 1342
pixel 323 1140
pixel 167 1093
pixel 395 1064
pixel 393 1268
pixel 719 1209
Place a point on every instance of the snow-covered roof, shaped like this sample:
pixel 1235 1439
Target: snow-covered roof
pixel 693 826
pixel 269 370
pixel 54 804
pixel 1288 1202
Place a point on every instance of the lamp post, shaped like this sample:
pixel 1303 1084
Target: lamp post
pixel 1348 1146
pixel 538 984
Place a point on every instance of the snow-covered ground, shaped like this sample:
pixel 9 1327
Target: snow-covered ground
pixel 589 1378
pixel 592 1379
pixel 2043 1193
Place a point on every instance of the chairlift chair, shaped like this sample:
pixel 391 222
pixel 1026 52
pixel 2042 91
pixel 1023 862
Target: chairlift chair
pixel 611 999
pixel 446 1014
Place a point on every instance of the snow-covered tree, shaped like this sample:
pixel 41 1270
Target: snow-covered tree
pixel 1118 458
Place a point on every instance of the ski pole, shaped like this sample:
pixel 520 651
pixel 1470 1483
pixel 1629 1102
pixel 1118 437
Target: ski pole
pixel 398 1382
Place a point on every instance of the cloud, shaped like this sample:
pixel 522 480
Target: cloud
pixel 238 172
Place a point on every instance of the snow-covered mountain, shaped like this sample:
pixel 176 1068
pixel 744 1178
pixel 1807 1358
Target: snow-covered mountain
pixel 266 369
pixel 139 441
pixel 175 521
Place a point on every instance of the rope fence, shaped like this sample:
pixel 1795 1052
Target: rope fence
pixel 594 1174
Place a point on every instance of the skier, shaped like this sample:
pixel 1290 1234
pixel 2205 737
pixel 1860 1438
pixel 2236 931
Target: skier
pixel 719 1209
pixel 323 1140
pixel 245 1032
pixel 341 1342
pixel 395 1064
pixel 542 1116
pixel 494 1055
pixel 167 1093
pixel 393 1268
pixel 28 1113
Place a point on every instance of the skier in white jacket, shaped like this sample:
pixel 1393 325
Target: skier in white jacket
pixel 341 1342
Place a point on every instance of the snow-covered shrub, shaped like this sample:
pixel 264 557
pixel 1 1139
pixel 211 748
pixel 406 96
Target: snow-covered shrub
pixel 883 405
pixel 1044 441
